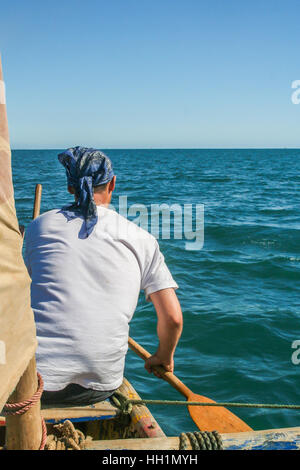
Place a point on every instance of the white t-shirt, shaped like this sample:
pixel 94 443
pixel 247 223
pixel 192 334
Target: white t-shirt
pixel 84 293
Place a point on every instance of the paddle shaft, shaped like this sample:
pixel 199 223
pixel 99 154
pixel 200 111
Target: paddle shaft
pixel 167 376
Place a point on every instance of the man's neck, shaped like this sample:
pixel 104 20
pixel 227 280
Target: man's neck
pixel 101 200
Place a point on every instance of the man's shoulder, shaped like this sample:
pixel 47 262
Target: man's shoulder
pixel 43 218
pixel 126 229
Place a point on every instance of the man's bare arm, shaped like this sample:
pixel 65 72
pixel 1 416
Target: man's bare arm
pixel 169 328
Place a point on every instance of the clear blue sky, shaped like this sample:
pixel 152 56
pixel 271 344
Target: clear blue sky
pixel 159 73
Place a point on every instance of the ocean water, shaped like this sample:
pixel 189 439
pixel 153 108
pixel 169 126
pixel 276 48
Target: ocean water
pixel 240 294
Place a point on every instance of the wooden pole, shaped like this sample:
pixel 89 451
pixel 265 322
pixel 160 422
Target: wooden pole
pixel 37 201
pixel 24 432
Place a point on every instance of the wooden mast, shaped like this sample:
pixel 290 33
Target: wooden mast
pixel 24 432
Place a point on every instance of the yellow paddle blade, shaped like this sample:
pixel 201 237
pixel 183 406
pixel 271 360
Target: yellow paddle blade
pixel 215 418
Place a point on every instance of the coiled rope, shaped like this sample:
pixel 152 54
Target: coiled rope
pixel 66 437
pixel 11 409
pixel 200 440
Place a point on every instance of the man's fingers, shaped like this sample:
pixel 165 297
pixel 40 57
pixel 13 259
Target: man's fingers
pixel 152 362
pixel 151 370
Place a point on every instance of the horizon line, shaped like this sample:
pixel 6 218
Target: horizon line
pixel 169 148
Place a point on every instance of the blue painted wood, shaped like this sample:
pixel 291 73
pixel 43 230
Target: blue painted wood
pixel 81 419
pixel 272 439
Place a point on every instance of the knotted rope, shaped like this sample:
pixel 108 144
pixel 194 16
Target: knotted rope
pixel 200 440
pixel 122 402
pixel 11 409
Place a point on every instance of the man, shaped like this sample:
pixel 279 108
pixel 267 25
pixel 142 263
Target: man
pixel 88 265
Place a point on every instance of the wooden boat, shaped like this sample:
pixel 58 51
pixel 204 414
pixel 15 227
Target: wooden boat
pixel 111 430
pixel 103 421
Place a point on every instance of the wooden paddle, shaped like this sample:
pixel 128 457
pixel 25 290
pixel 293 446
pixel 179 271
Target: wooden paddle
pixel 207 418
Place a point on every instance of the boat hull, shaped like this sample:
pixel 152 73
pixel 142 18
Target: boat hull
pixel 103 421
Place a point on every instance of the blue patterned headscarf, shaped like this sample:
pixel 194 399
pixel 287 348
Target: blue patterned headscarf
pixel 85 169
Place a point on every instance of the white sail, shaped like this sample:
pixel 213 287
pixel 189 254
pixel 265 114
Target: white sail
pixel 17 329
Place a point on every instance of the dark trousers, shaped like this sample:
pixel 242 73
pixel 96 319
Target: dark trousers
pixel 74 395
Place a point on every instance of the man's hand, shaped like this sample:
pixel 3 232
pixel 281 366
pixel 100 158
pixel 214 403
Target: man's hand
pixel 156 360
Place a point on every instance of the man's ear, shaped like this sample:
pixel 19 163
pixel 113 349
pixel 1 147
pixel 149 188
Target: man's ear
pixel 71 190
pixel 112 184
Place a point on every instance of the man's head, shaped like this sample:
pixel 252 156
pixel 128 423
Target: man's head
pixel 91 179
pixel 102 193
